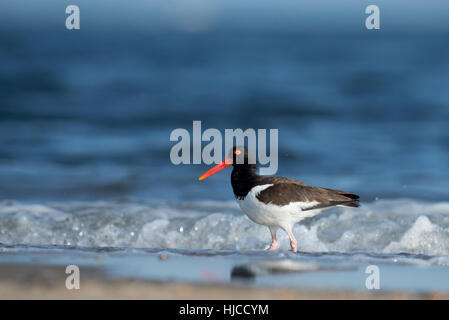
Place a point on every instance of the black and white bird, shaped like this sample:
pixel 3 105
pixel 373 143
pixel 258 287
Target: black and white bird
pixel 277 202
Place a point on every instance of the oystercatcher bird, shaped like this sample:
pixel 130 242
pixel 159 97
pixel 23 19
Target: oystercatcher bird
pixel 277 202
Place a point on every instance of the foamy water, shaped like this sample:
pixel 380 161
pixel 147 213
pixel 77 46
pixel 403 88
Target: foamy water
pixel 382 227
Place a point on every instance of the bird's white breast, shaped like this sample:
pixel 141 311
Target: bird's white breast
pixel 270 214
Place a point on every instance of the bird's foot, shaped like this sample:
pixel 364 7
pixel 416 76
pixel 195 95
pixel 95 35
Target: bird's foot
pixel 273 246
pixel 294 246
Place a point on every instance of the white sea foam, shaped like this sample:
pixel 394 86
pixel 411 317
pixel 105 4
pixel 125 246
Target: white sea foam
pixel 386 226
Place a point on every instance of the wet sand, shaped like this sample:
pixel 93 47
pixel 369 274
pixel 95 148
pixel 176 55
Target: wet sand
pixel 48 282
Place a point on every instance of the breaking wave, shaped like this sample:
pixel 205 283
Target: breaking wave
pixel 384 226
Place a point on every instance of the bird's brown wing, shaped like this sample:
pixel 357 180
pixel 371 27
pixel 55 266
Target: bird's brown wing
pixel 282 194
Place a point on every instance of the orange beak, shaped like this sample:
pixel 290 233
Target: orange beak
pixel 218 167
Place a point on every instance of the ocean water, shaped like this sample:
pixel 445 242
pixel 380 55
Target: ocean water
pixel 381 227
pixel 86 116
pixel 359 112
pixel 214 242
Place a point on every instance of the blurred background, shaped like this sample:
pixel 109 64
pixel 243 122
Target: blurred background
pixel 87 114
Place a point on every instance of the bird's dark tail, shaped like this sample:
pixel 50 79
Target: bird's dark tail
pixel 353 202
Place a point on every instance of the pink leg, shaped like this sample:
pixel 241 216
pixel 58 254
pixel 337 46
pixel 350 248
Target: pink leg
pixel 274 240
pixel 293 242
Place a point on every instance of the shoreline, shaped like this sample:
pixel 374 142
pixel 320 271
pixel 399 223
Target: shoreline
pixel 48 282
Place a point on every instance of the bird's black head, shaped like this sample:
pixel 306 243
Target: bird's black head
pixel 240 155
pixel 243 159
pixel 243 174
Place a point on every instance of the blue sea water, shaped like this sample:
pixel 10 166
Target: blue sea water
pixel 90 117
pixel 86 116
